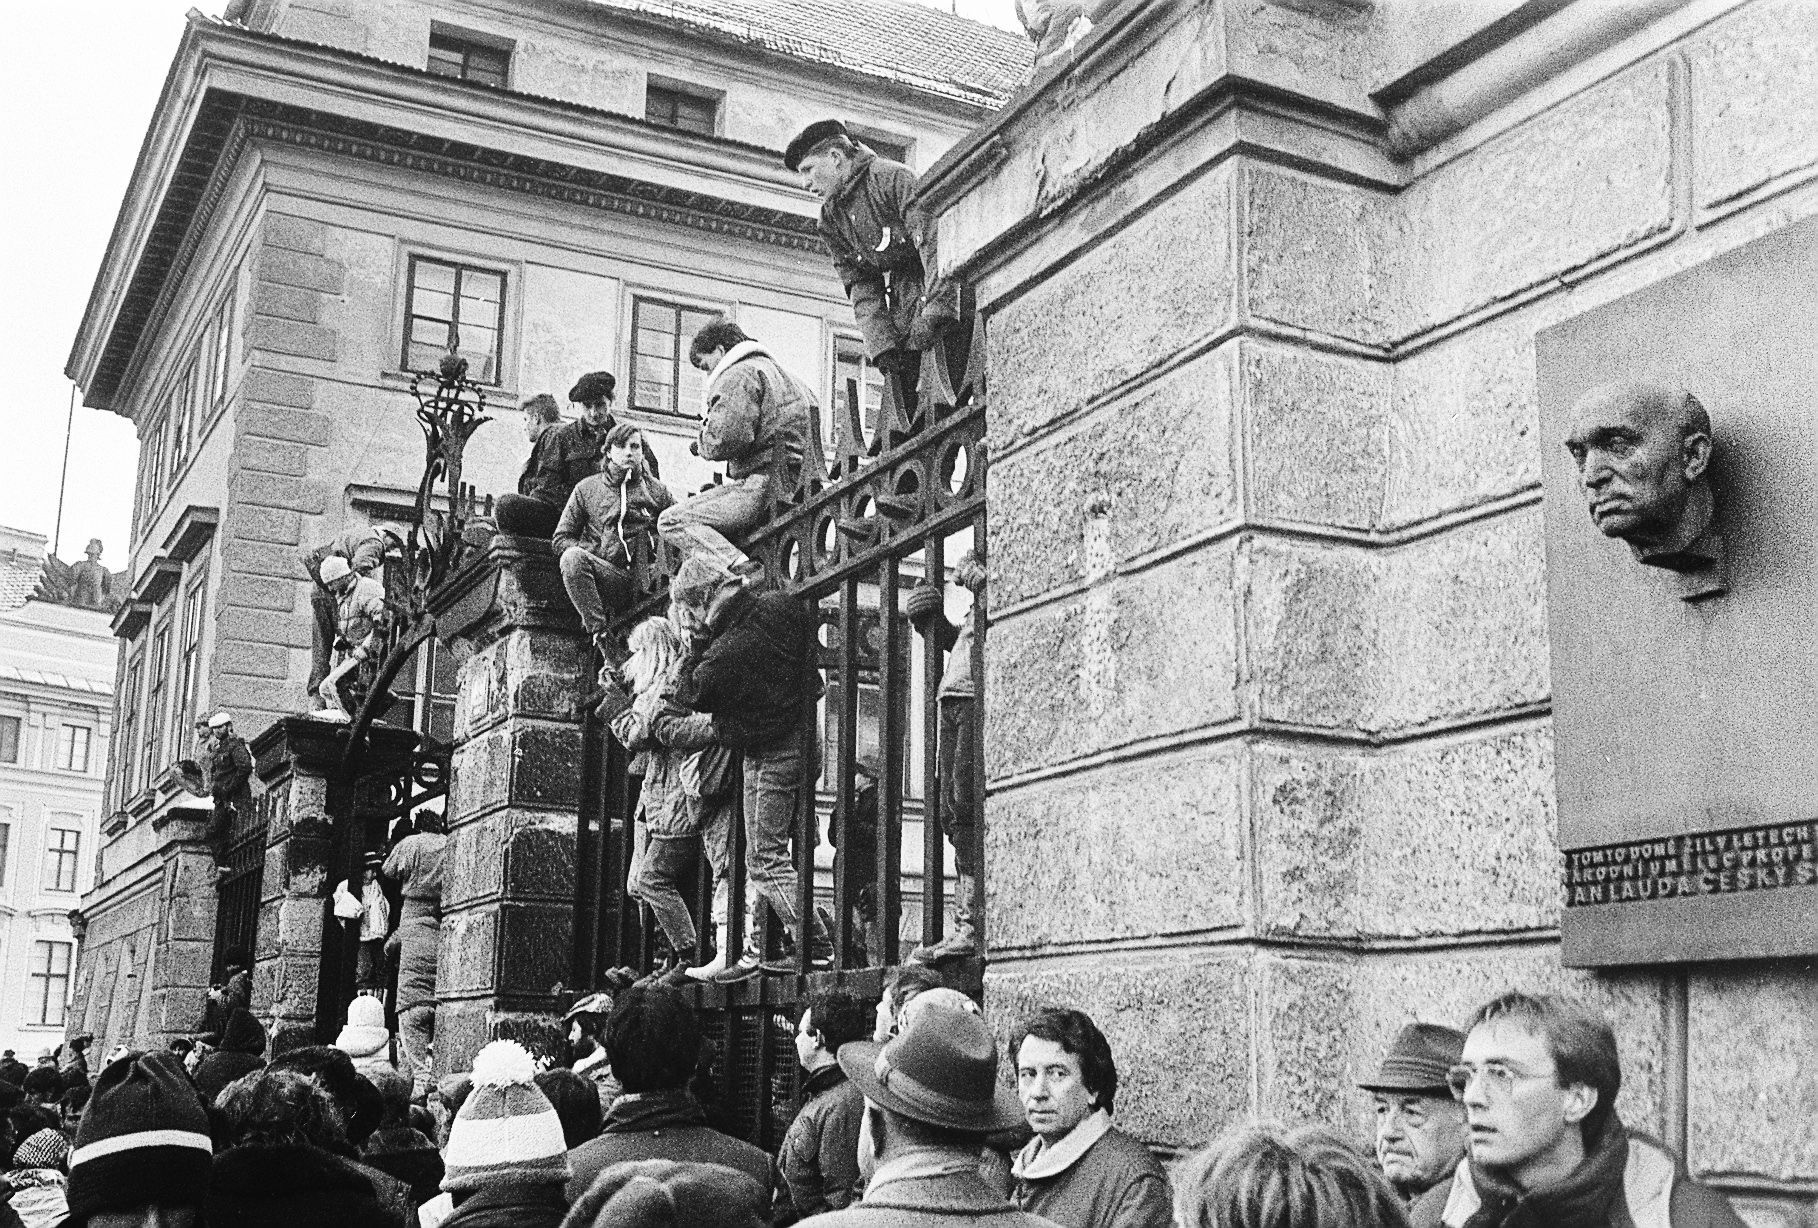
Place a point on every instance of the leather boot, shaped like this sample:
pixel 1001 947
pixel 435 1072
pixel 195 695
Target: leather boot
pixel 962 939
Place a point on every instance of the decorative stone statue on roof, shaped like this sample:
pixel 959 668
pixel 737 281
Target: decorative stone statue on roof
pixel 87 585
pixel 1055 26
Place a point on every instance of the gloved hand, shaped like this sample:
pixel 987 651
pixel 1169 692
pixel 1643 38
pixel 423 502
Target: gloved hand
pixel 924 605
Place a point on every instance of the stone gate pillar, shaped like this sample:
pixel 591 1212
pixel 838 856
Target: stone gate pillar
pixel 514 797
pixel 295 758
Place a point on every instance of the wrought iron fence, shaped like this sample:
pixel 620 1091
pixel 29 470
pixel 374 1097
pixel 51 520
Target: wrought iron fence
pixel 238 893
pixel 890 508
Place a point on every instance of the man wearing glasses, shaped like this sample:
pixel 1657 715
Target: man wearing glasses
pixel 1420 1128
pixel 1538 1080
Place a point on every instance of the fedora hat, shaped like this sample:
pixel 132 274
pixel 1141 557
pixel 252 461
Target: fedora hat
pixel 1419 1061
pixel 941 1071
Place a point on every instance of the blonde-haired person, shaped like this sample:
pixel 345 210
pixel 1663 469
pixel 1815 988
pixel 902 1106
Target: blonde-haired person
pixel 685 793
pixel 1266 1176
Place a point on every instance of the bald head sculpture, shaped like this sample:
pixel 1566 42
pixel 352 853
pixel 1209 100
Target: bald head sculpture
pixel 1643 453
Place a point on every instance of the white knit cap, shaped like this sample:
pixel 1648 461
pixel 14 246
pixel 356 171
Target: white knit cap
pixel 333 568
pixel 507 1133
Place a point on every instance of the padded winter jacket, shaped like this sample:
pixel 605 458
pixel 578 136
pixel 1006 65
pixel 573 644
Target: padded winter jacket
pixel 607 513
pixel 883 244
pixel 754 675
pixel 755 411
pixel 819 1156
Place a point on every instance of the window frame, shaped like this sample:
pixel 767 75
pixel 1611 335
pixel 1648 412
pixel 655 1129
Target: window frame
pixel 461 268
pixel 66 746
pixel 126 729
pixel 156 694
pixel 192 615
pixel 44 955
pixel 681 365
pixel 676 93
pixel 6 841
pixel 466 46
pixel 221 353
pixel 61 856
pixel 17 724
pixel 871 380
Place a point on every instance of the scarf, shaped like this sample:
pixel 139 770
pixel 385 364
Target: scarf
pixel 1041 1159
pixel 1584 1199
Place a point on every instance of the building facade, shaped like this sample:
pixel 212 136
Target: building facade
pixel 329 192
pixel 56 713
pixel 1269 658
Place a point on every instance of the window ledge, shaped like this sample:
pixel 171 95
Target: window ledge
pixel 496 394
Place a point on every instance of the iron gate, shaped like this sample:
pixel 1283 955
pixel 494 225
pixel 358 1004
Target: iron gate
pixel 899 496
pixel 238 892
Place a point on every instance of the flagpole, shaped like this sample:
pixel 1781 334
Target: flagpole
pixel 69 427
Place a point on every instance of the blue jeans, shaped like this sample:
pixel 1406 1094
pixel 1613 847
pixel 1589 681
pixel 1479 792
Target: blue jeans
pixel 703 522
pixel 773 794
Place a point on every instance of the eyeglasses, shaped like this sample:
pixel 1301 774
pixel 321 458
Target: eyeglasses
pixel 1499 1078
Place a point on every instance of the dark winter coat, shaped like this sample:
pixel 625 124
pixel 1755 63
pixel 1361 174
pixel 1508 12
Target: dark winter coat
pixel 756 411
pixel 607 513
pixel 929 1202
pixel 571 451
pixel 13 1071
pixel 883 244
pixel 754 675
pixel 1103 1180
pixel 511 1206
pixel 281 1187
pixel 240 1053
pixel 819 1156
pixel 230 766
pixel 409 1156
pixel 1626 1181
pixel 662 1126
pixel 527 480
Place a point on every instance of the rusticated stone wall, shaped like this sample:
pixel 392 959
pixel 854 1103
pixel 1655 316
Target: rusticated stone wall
pixel 1268 731
pixel 509 883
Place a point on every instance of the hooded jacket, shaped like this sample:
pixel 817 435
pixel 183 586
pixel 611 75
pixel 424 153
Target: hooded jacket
pixel 755 412
pixel 1095 1177
pixel 883 244
pixel 608 512
pixel 242 1051
pixel 365 1037
pixel 1627 1180
pixel 753 676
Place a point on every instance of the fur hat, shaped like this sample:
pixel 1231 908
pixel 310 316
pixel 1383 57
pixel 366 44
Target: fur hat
pixel 594 386
pixel 805 141
pixel 144 1139
pixel 507 1133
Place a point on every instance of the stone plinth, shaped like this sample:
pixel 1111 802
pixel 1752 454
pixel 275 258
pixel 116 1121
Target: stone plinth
pixel 509 883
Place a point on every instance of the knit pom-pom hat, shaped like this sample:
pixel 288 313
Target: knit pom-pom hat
pixel 507 1133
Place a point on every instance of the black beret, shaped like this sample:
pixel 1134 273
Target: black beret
pixel 594 386
pixel 820 130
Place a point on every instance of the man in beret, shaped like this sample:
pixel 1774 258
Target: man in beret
pixel 572 451
pixel 1420 1128
pixel 882 241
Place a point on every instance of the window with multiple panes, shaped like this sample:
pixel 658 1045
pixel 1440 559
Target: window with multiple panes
pixel 189 666
pixel 72 747
pixel 152 458
pixel 126 726
pixel 221 348
pixel 452 56
pixel 662 378
pixel 453 306
pixel 9 739
pixel 182 419
pixel 157 691
pixel 675 108
pixel 850 365
pixel 60 859
pixel 6 839
pixel 50 983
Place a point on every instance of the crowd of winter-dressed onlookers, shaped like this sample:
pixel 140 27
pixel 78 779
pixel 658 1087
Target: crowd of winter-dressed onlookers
pixel 911 1111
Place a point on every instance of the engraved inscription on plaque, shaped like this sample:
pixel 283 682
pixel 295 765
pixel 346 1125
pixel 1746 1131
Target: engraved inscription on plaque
pixel 1713 863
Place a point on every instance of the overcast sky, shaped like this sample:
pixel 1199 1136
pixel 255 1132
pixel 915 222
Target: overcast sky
pixel 79 105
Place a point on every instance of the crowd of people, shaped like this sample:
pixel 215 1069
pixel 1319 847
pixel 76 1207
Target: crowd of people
pixel 910 1113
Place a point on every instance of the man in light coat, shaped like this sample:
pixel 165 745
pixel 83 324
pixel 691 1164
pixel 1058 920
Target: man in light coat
pixel 758 422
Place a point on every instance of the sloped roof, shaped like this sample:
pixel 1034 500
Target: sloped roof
pixel 899 40
pixel 19 574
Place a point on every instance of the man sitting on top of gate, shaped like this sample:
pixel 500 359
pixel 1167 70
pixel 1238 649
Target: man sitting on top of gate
pixel 756 415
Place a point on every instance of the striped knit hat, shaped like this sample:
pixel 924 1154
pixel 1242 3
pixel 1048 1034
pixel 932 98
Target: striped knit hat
pixel 507 1133
pixel 144 1139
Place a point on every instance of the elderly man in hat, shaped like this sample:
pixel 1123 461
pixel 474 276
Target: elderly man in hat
pixel 1420 1128
pixel 229 768
pixel 882 241
pixel 931 1099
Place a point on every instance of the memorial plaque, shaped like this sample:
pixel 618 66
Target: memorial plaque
pixel 1685 683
